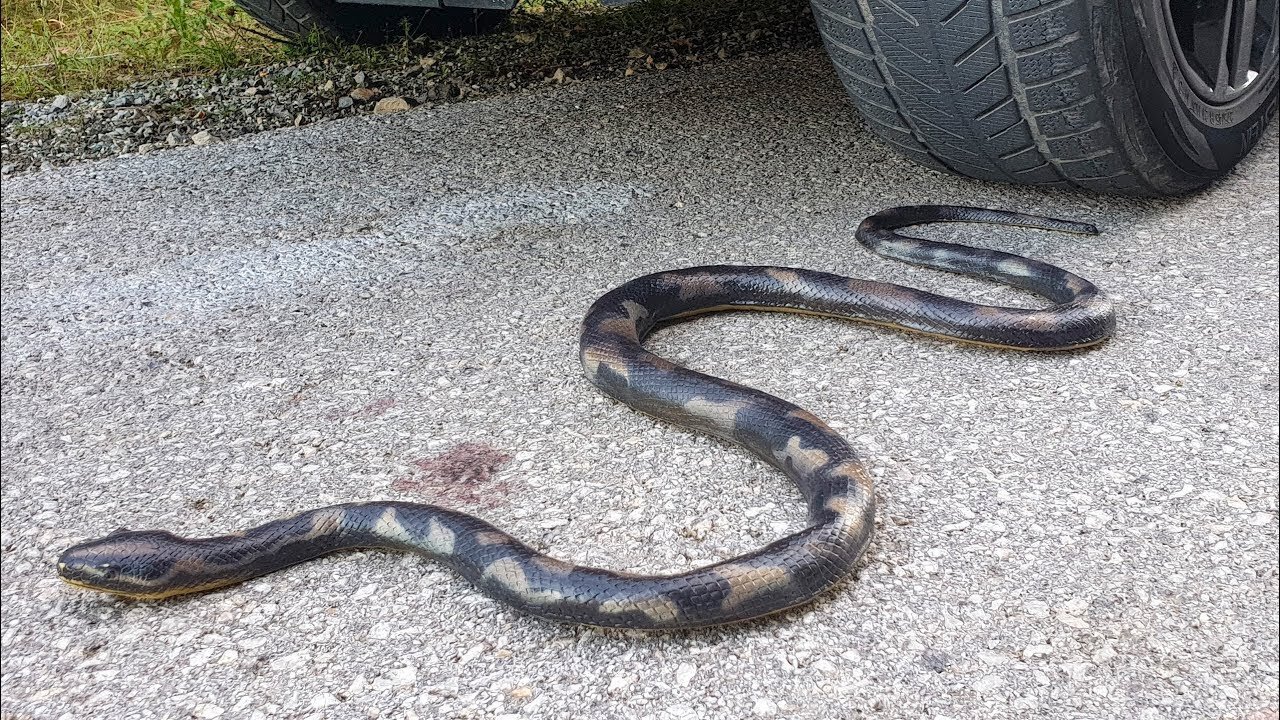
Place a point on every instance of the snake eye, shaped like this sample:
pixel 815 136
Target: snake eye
pixel 108 572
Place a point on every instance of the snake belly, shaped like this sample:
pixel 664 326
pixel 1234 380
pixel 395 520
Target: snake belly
pixel 835 484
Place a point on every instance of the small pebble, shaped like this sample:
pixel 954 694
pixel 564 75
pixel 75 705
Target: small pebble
pixel 1105 654
pixel 386 106
pixel 764 707
pixel 1036 651
pixel 620 682
pixel 987 684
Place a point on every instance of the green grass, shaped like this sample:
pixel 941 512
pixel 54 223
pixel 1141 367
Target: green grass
pixel 65 46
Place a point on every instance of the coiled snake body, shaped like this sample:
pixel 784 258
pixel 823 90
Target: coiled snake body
pixel 834 483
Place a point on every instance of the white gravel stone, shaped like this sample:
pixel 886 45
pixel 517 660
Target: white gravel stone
pixel 1105 654
pixel 398 677
pixel 201 657
pixel 620 682
pixel 993 658
pixel 1070 620
pixel 764 707
pixel 1036 608
pixel 1036 651
pixel 323 700
pixel 1262 518
pixel 358 686
pixel 1076 670
pixel 292 661
pixel 988 684
pixel 826 667
pixel 472 653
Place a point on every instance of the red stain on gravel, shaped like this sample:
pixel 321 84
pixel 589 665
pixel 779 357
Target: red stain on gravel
pixel 372 410
pixel 461 474
pixel 375 408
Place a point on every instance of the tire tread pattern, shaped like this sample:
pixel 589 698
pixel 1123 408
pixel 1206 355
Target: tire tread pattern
pixel 1002 90
pixel 288 17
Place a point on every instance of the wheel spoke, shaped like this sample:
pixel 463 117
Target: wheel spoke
pixel 1221 79
pixel 1239 46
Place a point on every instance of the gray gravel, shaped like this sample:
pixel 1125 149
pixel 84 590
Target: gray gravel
pixel 220 335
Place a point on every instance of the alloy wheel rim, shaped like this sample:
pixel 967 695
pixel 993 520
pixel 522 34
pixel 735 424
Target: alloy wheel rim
pixel 1223 47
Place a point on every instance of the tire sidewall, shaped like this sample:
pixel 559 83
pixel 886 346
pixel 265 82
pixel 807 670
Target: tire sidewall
pixel 1202 139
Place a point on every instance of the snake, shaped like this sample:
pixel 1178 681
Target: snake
pixel 834 483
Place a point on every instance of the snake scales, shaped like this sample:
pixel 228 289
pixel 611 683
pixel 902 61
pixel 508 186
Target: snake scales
pixel 834 483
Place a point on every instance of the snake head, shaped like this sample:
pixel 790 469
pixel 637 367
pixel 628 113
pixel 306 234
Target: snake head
pixel 133 564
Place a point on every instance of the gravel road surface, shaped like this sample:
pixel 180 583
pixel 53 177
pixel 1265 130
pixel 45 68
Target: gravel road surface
pixel 210 337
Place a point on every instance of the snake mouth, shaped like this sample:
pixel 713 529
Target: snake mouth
pixel 62 575
pixel 72 575
pixel 80 585
pixel 67 573
pixel 143 597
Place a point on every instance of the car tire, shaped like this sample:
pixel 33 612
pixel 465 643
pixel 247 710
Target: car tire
pixel 1105 95
pixel 370 24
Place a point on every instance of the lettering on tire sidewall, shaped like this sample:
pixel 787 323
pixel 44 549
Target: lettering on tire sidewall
pixel 1228 130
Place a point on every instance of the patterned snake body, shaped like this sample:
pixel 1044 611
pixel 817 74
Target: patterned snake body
pixel 834 483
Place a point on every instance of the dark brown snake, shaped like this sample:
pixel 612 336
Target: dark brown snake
pixel 834 483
